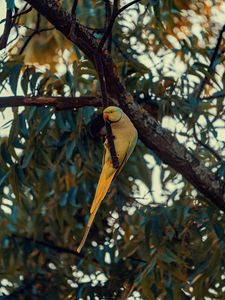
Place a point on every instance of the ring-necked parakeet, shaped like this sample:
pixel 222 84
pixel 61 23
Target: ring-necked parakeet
pixel 125 138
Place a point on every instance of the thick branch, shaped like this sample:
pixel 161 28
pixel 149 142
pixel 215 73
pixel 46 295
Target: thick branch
pixel 59 103
pixel 150 131
pixel 174 154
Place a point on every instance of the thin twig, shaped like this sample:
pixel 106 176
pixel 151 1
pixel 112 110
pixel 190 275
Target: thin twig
pixel 6 32
pixel 211 67
pixel 48 245
pixel 115 14
pixel 210 149
pixel 18 15
pixel 137 259
pixel 74 8
pixel 105 101
pixel 40 31
pixel 213 97
pixel 32 34
pixel 108 14
pixel 101 75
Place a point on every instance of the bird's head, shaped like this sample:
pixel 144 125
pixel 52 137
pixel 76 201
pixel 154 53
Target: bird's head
pixel 112 114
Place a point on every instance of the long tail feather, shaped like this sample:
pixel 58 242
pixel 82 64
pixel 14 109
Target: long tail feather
pixel 88 227
pixel 102 188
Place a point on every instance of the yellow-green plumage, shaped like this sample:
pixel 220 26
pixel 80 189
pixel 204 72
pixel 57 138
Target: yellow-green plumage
pixel 125 139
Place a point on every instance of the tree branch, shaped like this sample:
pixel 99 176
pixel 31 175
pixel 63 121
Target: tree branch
pixel 59 103
pixel 175 154
pixel 101 76
pixel 169 150
pixel 150 132
pixel 48 245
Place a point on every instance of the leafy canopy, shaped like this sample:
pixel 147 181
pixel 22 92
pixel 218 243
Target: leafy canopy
pixel 168 244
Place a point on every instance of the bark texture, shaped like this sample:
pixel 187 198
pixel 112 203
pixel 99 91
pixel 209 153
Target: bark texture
pixel 59 103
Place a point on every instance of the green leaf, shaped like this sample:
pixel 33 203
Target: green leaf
pixel 32 111
pixel 70 80
pixel 156 230
pixel 20 173
pixel 168 256
pixel 15 186
pixel 87 114
pixel 10 4
pixel 33 81
pixel 5 154
pixel 26 159
pixel 63 199
pixel 68 115
pixel 43 122
pixel 70 148
pixel 25 79
pixel 3 178
pixel 60 121
pixel 72 195
pixel 23 126
pixel 14 77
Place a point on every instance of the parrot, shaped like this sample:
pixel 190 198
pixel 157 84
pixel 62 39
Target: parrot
pixel 125 138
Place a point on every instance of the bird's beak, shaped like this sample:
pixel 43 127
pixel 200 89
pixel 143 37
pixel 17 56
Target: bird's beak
pixel 105 117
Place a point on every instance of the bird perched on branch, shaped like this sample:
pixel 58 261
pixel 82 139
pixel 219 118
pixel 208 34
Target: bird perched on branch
pixel 125 138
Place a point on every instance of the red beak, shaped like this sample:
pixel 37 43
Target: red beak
pixel 105 117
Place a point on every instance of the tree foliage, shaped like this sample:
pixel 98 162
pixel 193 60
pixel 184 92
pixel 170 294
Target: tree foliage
pixel 165 59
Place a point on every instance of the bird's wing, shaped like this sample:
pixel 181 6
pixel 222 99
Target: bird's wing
pixel 130 149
